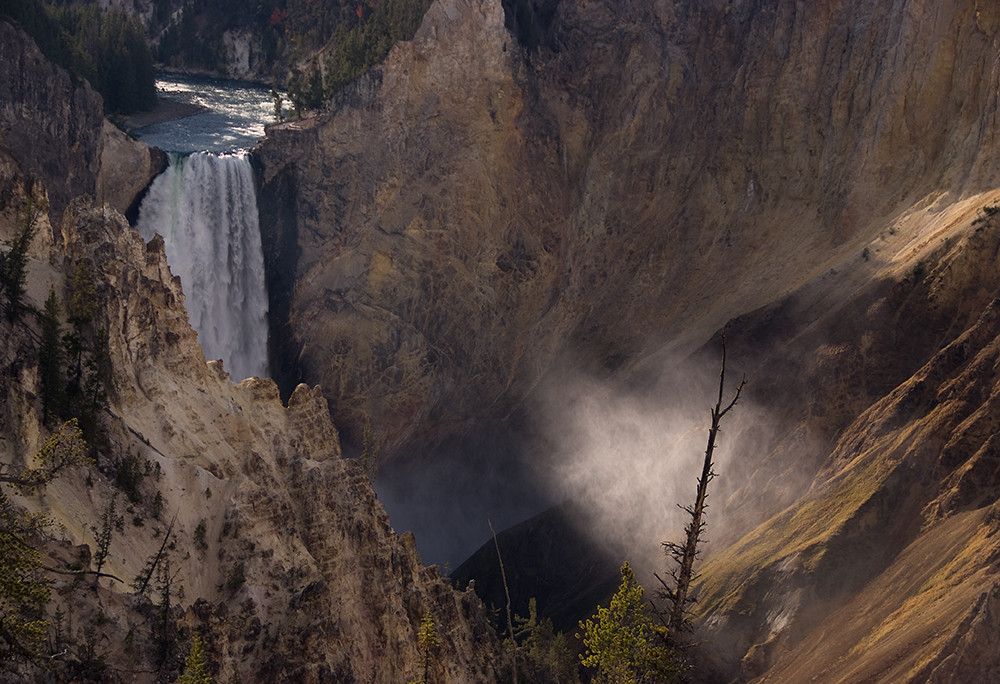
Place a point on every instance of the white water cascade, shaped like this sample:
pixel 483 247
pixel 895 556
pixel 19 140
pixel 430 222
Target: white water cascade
pixel 205 207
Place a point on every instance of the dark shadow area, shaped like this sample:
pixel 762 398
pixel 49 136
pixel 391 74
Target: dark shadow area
pixel 550 558
pixel 530 21
pixel 279 240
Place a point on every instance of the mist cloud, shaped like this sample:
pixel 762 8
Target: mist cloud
pixel 633 457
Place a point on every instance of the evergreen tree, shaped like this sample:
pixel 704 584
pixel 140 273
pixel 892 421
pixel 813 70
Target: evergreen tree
pixel 24 593
pixel 50 359
pixel 543 656
pixel 14 263
pixel 108 49
pixel 195 665
pixel 621 642
pixel 104 534
pixel 428 638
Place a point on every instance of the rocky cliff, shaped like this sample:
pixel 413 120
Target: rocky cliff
pixel 606 185
pixel 280 556
pixel 56 129
pixel 473 208
pixel 265 541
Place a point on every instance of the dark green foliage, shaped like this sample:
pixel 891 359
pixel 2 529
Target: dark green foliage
pixel 125 72
pixel 109 49
pixel 103 535
pixel 14 263
pixel 306 89
pixel 164 629
pixel 83 298
pixel 196 665
pixel 24 593
pixel 195 41
pixel 199 536
pixel 130 471
pixel 235 577
pixel 543 656
pixel 50 359
pixel 428 638
pixel 87 373
pixel 87 663
pixel 987 213
pixel 278 113
pixel 359 47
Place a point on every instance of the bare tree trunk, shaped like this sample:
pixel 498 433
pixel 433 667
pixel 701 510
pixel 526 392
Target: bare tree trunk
pixel 675 616
pixel 503 576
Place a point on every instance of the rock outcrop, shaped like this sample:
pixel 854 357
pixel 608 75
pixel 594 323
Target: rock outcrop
pixel 55 129
pixel 472 208
pixel 282 558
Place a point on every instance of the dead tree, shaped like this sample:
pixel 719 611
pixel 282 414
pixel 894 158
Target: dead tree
pixel 677 597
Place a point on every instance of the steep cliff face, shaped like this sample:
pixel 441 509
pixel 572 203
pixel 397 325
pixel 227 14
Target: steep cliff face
pixel 266 542
pixel 883 568
pixel 482 208
pixel 56 131
pixel 280 556
pixel 471 210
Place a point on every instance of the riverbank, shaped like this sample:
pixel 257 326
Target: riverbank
pixel 166 109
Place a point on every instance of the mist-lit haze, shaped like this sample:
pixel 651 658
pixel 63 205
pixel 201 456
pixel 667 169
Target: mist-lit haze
pixel 633 459
pixel 629 458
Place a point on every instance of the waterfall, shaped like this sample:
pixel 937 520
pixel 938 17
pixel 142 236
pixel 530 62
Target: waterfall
pixel 205 207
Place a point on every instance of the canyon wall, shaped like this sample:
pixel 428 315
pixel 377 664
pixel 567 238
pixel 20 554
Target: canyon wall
pixel 281 557
pixel 474 208
pixel 607 185
pixel 57 131
pixel 266 542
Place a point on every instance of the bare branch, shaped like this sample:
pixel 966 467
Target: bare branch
pixel 82 572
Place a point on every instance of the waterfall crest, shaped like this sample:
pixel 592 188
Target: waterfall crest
pixel 205 207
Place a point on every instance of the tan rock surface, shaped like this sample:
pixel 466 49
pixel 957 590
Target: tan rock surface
pixel 295 574
pixel 468 211
pixel 651 172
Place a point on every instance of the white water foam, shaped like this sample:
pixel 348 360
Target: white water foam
pixel 205 207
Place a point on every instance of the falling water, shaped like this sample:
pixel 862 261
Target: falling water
pixel 205 207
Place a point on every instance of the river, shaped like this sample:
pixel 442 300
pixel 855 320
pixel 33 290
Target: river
pixel 204 205
pixel 232 115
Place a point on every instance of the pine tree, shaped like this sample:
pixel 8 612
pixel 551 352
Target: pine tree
pixel 50 359
pixel 428 643
pixel 195 665
pixel 104 534
pixel 24 593
pixel 14 264
pixel 622 643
